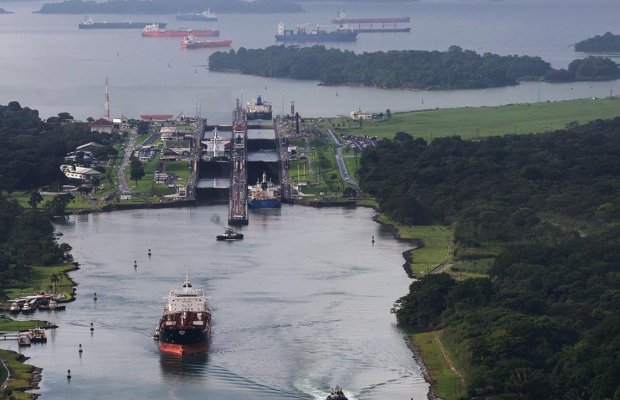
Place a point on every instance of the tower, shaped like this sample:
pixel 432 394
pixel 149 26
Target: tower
pixel 106 106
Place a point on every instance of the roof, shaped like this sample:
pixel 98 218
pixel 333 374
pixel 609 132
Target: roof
pixel 87 145
pixel 102 122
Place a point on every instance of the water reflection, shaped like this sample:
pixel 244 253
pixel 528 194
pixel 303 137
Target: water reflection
pixel 176 368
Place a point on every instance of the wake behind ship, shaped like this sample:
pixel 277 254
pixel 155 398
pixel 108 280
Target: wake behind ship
pixel 185 326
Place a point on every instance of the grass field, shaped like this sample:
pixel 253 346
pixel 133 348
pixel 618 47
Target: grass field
pixel 477 122
pixel 447 385
pixel 21 374
pixel 437 240
pixel 40 282
pixel 9 325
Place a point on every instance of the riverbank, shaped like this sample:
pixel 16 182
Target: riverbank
pixel 18 377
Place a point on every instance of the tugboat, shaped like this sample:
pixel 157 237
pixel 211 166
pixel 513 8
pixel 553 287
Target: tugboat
pixel 185 325
pixel 37 335
pixel 336 394
pixel 230 234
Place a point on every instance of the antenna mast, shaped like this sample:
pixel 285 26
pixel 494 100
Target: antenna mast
pixel 106 106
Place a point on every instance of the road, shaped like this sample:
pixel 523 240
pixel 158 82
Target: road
pixel 342 167
pixel 122 183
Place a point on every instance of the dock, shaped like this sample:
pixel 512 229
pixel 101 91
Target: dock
pixel 238 194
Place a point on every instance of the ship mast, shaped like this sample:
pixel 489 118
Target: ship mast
pixel 106 105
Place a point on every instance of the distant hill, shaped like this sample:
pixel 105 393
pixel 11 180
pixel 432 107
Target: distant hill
pixel 168 7
pixel 3 11
pixel 599 44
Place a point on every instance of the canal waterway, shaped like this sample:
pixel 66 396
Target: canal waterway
pixel 300 305
pixel 49 64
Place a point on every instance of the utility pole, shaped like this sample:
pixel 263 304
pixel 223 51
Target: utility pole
pixel 106 105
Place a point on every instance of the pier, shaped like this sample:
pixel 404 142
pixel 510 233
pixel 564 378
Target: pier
pixel 238 194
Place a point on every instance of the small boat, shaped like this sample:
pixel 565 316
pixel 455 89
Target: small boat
pixel 15 307
pixel 37 335
pixel 230 234
pixel 23 340
pixel 30 305
pixel 190 42
pixel 336 394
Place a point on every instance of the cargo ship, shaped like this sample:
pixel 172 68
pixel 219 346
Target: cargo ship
pixel 185 326
pixel 190 42
pixel 372 25
pixel 88 23
pixel 206 15
pixel 258 109
pixel 341 34
pixel 154 30
pixel 264 194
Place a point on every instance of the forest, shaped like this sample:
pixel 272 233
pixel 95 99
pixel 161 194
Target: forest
pixel 599 43
pixel 33 149
pixel 169 7
pixel 409 69
pixel 31 155
pixel 545 323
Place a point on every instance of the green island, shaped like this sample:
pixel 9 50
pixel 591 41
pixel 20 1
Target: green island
pixel 406 69
pixel 22 376
pixel 167 7
pixel 607 42
pixel 515 229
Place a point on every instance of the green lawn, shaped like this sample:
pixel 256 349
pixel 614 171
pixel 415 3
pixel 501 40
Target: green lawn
pixel 447 384
pixel 40 282
pixel 436 241
pixel 476 122
pixel 21 374
pixel 9 325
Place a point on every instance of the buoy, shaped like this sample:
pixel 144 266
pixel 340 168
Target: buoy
pixel 149 252
pixel 80 350
pixel 92 328
pixel 373 240
pixel 68 374
pixel 95 296
pixel 135 263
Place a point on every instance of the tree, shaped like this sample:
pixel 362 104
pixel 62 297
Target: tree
pixel 136 170
pixel 388 113
pixel 35 199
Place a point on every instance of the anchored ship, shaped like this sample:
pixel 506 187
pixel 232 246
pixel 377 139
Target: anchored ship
pixel 258 109
pixel 190 42
pixel 88 23
pixel 185 326
pixel 373 25
pixel 206 15
pixel 341 34
pixel 154 30
pixel 264 194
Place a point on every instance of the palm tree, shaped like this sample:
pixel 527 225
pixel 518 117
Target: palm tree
pixel 55 279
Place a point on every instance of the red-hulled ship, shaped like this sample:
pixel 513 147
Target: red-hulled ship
pixel 185 326
pixel 190 42
pixel 154 30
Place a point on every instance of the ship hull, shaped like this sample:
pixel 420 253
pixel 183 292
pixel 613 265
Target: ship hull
pixel 183 342
pixel 207 44
pixel 118 25
pixel 259 115
pixel 182 33
pixel 322 37
pixel 269 203
pixel 195 18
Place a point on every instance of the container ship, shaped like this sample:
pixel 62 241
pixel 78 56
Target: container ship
pixel 190 42
pixel 258 109
pixel 185 326
pixel 264 194
pixel 88 23
pixel 154 30
pixel 206 15
pixel 341 34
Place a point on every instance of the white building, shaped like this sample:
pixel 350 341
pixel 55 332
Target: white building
pixel 359 114
pixel 79 173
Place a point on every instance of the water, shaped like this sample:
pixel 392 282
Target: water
pixel 49 64
pixel 300 305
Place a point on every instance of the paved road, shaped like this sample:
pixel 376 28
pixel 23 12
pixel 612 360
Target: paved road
pixel 342 167
pixel 122 183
